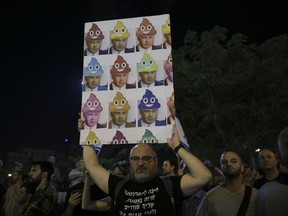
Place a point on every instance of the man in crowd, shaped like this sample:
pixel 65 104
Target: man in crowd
pixel 268 161
pixel 226 198
pixel 272 196
pixel 144 190
pixel 169 168
pixel 167 34
pixel 43 201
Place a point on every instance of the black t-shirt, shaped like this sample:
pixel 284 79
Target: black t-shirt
pixel 149 198
pixel 260 182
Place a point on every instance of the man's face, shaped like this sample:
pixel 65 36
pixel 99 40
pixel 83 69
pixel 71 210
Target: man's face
pixel 35 175
pixel 231 165
pixel 120 80
pixel 267 159
pixel 119 118
pixel 15 177
pixel 167 168
pixel 91 118
pixel 143 163
pixel 119 44
pixel 92 81
pixel 148 77
pixel 149 115
pixel 94 45
pixel 168 38
pixel 23 196
pixel 146 41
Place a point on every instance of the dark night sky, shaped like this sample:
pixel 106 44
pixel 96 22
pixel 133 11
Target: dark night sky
pixel 42 45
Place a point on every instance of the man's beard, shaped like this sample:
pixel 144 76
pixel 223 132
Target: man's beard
pixel 35 181
pixel 232 175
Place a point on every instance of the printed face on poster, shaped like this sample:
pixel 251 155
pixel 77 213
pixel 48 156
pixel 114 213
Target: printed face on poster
pixel 127 94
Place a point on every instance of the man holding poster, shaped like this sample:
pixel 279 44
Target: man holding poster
pixel 144 192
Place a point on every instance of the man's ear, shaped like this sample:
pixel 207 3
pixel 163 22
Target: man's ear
pixel 242 168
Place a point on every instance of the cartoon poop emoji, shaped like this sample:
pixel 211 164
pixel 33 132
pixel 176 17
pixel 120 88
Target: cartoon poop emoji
pixel 169 68
pixel 94 33
pixel 167 27
pixel 120 66
pixel 148 137
pixel 92 107
pixel 147 64
pixel 92 139
pixel 94 68
pixel 92 104
pixel 120 31
pixel 149 101
pixel 119 103
pixel 119 138
pixel 145 28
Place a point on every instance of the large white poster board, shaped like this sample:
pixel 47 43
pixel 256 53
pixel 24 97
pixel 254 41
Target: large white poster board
pixel 127 81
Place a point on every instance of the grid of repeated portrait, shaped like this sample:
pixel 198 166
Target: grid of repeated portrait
pixel 127 81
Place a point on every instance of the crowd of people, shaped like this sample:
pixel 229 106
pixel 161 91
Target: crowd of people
pixel 136 187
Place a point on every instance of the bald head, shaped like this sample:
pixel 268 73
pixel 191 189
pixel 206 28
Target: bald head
pixel 143 163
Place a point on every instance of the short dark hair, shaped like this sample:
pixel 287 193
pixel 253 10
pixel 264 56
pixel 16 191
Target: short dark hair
pixel 173 163
pixel 45 166
pixel 30 188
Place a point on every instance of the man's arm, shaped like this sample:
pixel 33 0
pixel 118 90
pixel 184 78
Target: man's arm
pixel 199 175
pixel 99 174
pixel 87 203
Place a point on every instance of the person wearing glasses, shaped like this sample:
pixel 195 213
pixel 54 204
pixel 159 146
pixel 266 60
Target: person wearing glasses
pixel 144 192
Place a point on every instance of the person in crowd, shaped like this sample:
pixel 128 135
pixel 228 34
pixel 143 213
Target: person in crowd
pixel 144 190
pixel 119 109
pixel 268 162
pixel 4 180
pixel 148 110
pixel 169 168
pixel 167 34
pixel 94 40
pixel 248 175
pixel 147 70
pixel 92 77
pixel 119 39
pixel 76 175
pixel 272 196
pixel 56 179
pixel 226 198
pixel 12 194
pixel 44 199
pixel 146 36
pixel 120 74
pixel 25 194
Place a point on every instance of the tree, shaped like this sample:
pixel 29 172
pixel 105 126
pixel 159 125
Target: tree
pixel 230 94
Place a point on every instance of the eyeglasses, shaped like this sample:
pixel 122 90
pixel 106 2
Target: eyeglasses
pixel 145 159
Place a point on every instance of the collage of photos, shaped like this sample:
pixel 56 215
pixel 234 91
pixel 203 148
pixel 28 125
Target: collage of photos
pixel 127 93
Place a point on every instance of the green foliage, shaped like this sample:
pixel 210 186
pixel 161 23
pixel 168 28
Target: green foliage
pixel 231 94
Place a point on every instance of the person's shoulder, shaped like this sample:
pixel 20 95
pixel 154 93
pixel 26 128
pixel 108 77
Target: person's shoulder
pixel 103 52
pixel 155 47
pixel 129 124
pixel 130 85
pixel 159 82
pixel 160 122
pixel 129 50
